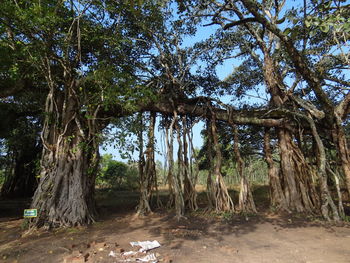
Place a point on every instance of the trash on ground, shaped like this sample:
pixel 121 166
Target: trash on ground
pixel 146 245
pixel 148 258
pixel 112 254
pixel 98 252
pixel 129 253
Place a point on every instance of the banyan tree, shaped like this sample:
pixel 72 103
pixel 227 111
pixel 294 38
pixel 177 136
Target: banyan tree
pixel 104 60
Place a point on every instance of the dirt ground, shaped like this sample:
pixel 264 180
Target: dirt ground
pixel 202 237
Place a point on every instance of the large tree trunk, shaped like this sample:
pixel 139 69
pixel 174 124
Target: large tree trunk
pixel 65 195
pixel 299 190
pixel 277 197
pixel 340 140
pixel 69 163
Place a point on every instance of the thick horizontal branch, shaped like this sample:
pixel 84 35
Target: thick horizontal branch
pixel 318 114
pixel 252 117
pixel 239 22
pixel 202 107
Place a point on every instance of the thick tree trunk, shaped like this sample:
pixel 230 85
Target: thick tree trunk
pixel 277 197
pixel 343 152
pixel 245 202
pixel 299 190
pixel 65 195
pixel 69 163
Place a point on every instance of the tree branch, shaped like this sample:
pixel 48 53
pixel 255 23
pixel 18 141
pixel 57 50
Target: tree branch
pixel 240 22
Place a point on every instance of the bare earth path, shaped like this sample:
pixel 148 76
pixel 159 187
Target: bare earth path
pixel 267 238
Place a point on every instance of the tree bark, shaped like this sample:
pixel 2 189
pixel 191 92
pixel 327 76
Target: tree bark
pixel 223 201
pixel 343 152
pixel 145 170
pixel 299 189
pixel 65 195
pixel 277 197
pixel 327 201
pixel 210 184
pixel 190 195
pixel 194 167
pixel 69 164
pixel 170 159
pixel 339 194
pixel 178 177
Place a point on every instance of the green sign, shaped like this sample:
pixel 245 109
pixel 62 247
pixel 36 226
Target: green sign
pixel 30 213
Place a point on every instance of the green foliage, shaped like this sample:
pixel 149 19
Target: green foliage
pixel 329 15
pixel 99 43
pixel 118 175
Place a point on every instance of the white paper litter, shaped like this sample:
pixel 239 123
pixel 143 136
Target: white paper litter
pixel 148 258
pixel 129 253
pixel 112 254
pixel 146 245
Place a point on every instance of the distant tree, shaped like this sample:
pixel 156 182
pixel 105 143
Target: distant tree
pixel 116 174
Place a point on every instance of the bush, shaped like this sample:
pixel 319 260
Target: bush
pixel 118 175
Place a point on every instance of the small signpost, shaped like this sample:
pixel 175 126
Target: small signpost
pixel 30 213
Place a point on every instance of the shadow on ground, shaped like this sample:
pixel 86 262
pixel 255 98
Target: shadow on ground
pixel 202 236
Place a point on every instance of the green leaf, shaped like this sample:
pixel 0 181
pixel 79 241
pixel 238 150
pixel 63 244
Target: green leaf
pixel 287 31
pixel 324 28
pixel 307 23
pixel 281 20
pixel 346 27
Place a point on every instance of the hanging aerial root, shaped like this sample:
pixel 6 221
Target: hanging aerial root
pixel 223 200
pixel 190 194
pixel 246 202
